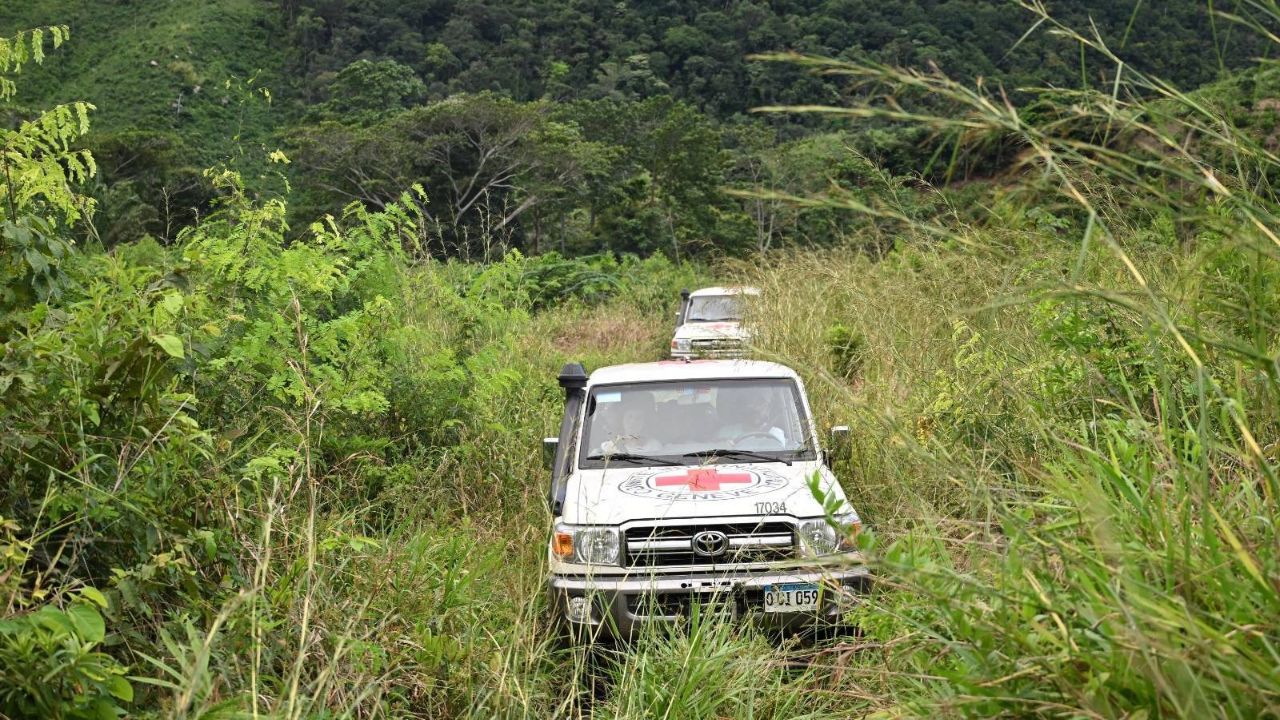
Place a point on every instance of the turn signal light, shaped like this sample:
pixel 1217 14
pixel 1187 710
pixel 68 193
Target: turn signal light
pixel 562 544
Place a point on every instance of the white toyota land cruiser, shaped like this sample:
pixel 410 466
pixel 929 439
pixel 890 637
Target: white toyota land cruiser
pixel 683 482
pixel 709 323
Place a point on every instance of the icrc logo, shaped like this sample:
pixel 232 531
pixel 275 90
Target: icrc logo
pixel 702 484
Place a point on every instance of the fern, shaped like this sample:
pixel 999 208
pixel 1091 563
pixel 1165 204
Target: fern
pixel 39 164
pixel 26 46
pixel 39 168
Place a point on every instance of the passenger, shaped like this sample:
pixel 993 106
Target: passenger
pixel 634 433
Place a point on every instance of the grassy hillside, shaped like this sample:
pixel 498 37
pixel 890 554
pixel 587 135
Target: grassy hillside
pixel 192 70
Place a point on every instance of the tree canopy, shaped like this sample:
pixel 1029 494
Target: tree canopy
pixel 697 50
pixel 583 126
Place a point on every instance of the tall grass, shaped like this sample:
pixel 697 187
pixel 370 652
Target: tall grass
pixel 1064 413
pixel 1069 449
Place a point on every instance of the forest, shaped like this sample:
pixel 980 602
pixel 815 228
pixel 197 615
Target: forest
pixel 612 127
pixel 285 286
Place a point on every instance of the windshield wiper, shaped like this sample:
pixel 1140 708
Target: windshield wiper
pixel 636 458
pixel 730 452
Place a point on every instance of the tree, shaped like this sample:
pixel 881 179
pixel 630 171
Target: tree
pixel 699 48
pixel 367 90
pixel 486 162
pixel 39 165
pixel 768 179
pixel 660 190
pixel 680 151
pixel 146 184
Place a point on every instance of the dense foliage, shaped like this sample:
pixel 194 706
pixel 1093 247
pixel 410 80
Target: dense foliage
pixel 696 51
pixel 616 124
pixel 276 461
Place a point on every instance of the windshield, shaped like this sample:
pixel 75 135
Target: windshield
pixel 714 308
pixel 673 422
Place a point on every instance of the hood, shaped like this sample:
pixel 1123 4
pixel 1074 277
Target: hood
pixel 712 331
pixel 616 495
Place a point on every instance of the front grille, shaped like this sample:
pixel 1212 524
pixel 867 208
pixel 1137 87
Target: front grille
pixel 672 545
pixel 716 344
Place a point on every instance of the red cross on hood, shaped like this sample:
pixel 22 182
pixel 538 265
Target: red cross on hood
pixel 703 479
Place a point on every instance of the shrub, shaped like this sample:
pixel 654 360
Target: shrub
pixel 50 667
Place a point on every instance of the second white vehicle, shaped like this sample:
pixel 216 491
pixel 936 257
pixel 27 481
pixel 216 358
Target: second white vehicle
pixel 710 324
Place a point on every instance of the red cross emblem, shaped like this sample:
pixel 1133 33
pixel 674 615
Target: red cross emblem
pixel 700 479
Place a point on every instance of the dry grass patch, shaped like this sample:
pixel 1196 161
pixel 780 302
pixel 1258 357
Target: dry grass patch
pixel 612 330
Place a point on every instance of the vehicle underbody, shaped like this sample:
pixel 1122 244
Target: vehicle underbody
pixel 611 607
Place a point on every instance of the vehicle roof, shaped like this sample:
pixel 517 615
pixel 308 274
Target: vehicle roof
pixel 689 370
pixel 743 290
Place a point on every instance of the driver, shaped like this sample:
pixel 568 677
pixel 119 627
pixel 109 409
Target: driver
pixel 634 431
pixel 745 413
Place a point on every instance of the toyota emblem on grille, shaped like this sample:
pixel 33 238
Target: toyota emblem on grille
pixel 710 543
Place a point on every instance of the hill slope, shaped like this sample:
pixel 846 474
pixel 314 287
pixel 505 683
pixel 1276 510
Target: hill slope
pixel 696 49
pixel 297 475
pixel 161 67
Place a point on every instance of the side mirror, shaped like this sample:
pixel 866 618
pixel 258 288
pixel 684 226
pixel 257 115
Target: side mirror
pixel 839 443
pixel 549 446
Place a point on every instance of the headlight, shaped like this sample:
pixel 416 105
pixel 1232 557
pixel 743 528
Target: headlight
pixel 588 546
pixel 596 546
pixel 818 537
pixel 682 344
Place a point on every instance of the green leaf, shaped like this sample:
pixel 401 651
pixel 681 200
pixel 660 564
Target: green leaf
pixel 120 688
pixel 91 413
pixel 104 709
pixel 88 623
pixel 94 595
pixel 37 261
pixel 54 620
pixel 210 544
pixel 172 302
pixel 171 344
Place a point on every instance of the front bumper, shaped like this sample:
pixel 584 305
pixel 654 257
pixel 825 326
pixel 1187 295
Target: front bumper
pixel 620 606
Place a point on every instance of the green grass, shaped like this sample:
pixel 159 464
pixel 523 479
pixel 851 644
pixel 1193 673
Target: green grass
pixel 1040 477
pixel 305 475
pixel 140 64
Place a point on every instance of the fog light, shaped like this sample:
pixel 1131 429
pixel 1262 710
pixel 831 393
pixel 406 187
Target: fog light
pixel 579 609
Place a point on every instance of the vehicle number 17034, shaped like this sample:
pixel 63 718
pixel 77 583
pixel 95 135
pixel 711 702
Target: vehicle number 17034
pixel 771 508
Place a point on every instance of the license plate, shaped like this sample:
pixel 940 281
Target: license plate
pixel 790 597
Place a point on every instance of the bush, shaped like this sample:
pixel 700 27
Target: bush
pixel 49 666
